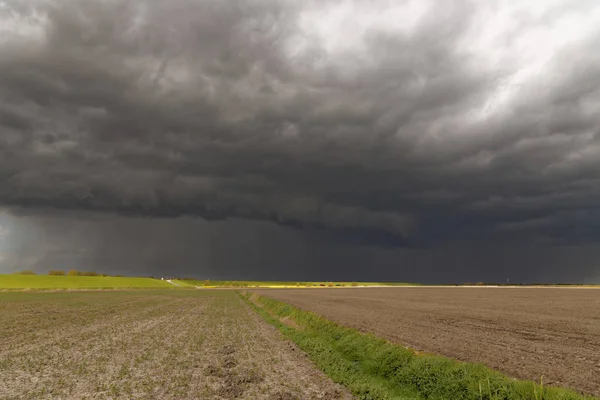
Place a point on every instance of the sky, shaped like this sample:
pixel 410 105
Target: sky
pixel 423 141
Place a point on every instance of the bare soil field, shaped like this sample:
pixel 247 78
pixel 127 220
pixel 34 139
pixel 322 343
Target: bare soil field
pixel 170 344
pixel 525 333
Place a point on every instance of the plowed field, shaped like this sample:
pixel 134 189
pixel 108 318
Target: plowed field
pixel 170 344
pixel 548 334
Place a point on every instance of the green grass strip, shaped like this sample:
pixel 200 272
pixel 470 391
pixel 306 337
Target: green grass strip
pixel 373 368
pixel 78 282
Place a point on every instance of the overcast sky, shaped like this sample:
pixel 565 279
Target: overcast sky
pixel 431 141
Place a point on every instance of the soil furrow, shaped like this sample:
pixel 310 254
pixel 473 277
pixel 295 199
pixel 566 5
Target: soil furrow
pixel 538 334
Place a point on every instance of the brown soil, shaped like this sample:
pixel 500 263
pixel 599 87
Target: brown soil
pixel 168 344
pixel 526 333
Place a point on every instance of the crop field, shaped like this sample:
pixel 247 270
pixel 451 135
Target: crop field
pixel 181 342
pixel 548 335
pixel 77 282
pixel 149 344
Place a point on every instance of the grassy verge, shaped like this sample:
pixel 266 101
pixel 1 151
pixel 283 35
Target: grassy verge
pixel 77 282
pixel 373 368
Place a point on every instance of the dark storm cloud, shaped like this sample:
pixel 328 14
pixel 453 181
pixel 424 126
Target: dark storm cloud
pixel 246 249
pixel 255 110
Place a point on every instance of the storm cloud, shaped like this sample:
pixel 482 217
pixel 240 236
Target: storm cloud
pixel 400 125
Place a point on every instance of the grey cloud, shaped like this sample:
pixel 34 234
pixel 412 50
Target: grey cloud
pixel 245 249
pixel 221 109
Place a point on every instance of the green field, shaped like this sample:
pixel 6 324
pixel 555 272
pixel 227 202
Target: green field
pixel 17 281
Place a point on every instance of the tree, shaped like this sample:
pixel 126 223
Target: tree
pixel 56 272
pixel 74 272
pixel 26 272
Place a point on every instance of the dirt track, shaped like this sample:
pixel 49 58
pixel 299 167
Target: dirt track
pixel 526 333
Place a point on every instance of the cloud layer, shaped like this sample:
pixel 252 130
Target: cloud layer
pixel 248 249
pixel 410 123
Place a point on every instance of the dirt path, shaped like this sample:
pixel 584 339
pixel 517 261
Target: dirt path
pixel 148 345
pixel 526 333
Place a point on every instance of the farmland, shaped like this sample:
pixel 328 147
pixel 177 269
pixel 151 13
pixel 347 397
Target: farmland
pixel 20 281
pixel 543 334
pixel 77 282
pixel 180 342
pixel 281 284
pixel 148 344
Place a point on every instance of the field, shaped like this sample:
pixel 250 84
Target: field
pixel 547 335
pixel 179 342
pixel 164 344
pixel 77 282
pixel 281 284
pixel 18 281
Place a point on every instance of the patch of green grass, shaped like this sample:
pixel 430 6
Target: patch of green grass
pixel 373 368
pixel 77 282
